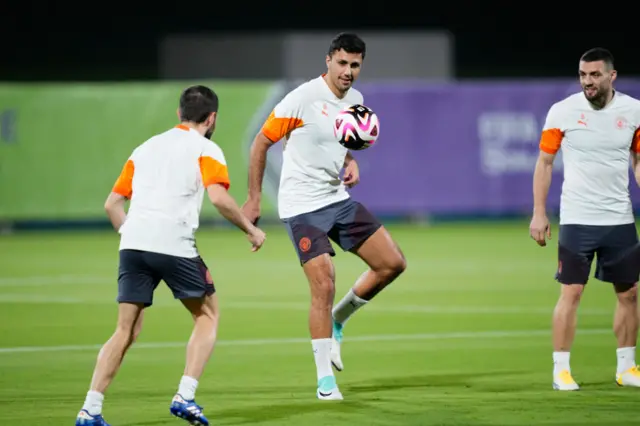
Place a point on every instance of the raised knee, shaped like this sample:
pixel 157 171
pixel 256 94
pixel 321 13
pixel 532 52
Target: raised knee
pixel 395 266
pixel 400 265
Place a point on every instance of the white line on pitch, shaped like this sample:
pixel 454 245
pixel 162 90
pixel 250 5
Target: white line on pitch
pixel 437 266
pixel 296 306
pixel 263 342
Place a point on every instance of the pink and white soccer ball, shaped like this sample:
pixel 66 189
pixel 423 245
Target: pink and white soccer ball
pixel 356 127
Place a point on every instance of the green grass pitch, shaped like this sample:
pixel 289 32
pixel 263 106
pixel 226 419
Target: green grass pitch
pixel 462 338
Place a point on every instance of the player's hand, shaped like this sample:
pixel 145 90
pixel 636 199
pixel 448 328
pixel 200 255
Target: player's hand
pixel 251 210
pixel 351 174
pixel 539 229
pixel 256 238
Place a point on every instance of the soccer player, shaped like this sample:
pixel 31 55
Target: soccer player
pixel 597 130
pixel 165 179
pixel 315 206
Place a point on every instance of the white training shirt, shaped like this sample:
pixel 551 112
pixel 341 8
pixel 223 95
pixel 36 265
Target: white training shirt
pixel 596 146
pixel 165 178
pixel 312 157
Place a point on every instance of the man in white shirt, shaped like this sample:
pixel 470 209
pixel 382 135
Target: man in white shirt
pixel 597 130
pixel 165 179
pixel 315 206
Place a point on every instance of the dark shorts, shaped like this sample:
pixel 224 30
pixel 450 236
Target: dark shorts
pixel 347 223
pixel 140 272
pixel 616 247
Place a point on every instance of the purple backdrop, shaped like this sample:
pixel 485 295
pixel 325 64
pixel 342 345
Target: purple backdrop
pixel 460 148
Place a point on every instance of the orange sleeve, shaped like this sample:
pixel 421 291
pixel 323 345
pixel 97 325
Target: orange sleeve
pixel 276 128
pixel 551 140
pixel 635 143
pixel 213 172
pixel 124 184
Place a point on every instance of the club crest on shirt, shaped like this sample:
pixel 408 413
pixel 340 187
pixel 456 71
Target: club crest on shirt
pixel 621 123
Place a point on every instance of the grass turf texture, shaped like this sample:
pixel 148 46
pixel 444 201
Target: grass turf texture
pixel 462 338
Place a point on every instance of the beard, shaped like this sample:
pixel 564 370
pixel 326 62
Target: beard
pixel 209 132
pixel 343 85
pixel 597 96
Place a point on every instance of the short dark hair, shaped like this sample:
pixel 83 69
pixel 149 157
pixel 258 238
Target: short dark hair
pixel 197 103
pixel 598 54
pixel 348 42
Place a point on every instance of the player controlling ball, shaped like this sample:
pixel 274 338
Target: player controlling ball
pixel 313 201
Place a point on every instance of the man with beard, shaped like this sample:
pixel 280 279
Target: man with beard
pixel 597 130
pixel 315 206
pixel 165 179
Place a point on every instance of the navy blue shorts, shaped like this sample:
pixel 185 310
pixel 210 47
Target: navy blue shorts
pixel 140 272
pixel 347 223
pixel 616 248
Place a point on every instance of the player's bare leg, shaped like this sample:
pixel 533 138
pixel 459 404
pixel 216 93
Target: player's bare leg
pixel 625 327
pixel 137 328
pixel 386 262
pixel 109 361
pixel 206 315
pixel 321 276
pixel 564 330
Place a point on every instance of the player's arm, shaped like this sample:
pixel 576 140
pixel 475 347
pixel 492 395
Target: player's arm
pixel 542 181
pixel 257 163
pixel 550 142
pixel 114 206
pixel 635 166
pixel 285 117
pixel 226 205
pixel 348 159
pixel 228 208
pixel 121 192
pixel 215 178
pixel 351 171
pixel 635 156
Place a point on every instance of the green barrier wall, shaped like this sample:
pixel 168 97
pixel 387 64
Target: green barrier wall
pixel 62 146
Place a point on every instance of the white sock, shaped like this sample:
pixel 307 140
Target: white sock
pixel 187 388
pixel 626 358
pixel 560 362
pixel 322 355
pixel 349 304
pixel 93 403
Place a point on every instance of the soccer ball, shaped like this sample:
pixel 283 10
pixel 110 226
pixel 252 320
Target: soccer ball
pixel 356 127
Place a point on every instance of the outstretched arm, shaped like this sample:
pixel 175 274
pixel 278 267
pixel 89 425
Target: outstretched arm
pixel 215 178
pixel 226 205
